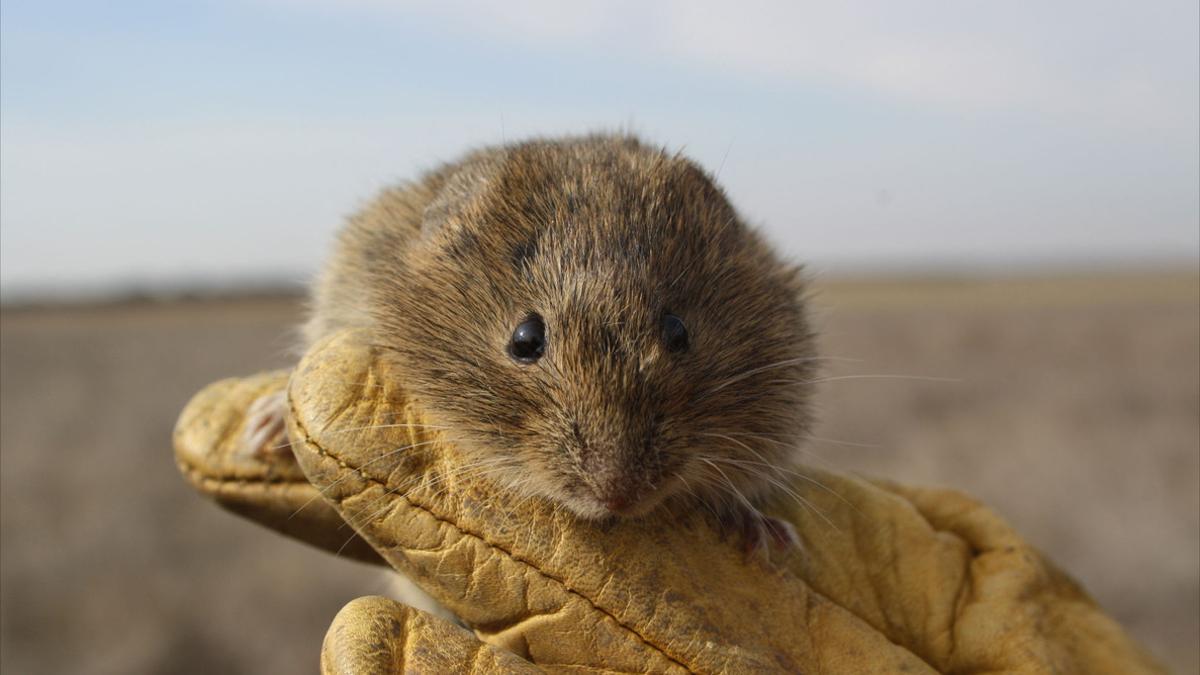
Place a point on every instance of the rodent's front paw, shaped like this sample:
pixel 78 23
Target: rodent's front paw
pixel 757 531
pixel 265 433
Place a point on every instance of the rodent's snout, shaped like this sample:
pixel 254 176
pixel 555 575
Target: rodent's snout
pixel 622 488
pixel 616 462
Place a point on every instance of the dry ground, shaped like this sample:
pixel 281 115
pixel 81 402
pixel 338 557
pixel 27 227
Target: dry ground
pixel 1075 412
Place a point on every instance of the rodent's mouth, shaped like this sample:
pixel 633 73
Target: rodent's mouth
pixel 629 510
pixel 624 506
pixel 592 509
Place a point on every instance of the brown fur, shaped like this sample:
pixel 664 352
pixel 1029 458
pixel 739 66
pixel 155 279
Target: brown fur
pixel 601 236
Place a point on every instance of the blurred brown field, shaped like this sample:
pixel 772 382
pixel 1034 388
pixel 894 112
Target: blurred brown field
pixel 1070 405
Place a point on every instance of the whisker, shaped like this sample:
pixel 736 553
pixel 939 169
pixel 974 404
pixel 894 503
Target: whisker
pixel 771 366
pixel 345 544
pixel 688 486
pixel 791 446
pixel 467 470
pixel 369 427
pixel 736 492
pixel 802 476
pixel 395 490
pixel 321 492
pixel 519 487
pixel 835 441
pixel 763 462
pixel 779 484
pixel 882 376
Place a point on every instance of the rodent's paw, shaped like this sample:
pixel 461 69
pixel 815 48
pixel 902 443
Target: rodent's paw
pixel 759 532
pixel 265 434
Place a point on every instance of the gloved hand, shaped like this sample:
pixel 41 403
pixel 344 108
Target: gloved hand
pixel 889 579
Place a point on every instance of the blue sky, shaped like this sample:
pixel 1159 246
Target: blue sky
pixel 157 143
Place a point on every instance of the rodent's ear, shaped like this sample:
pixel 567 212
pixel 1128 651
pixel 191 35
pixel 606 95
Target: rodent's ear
pixel 462 190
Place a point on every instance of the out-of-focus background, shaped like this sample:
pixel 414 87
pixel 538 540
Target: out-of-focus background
pixel 1006 196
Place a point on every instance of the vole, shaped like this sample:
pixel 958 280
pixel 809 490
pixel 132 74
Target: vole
pixel 593 310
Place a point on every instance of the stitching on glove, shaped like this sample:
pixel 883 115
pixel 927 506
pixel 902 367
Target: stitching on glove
pixel 322 452
pixel 199 477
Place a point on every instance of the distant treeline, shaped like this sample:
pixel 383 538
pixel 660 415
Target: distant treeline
pixel 136 296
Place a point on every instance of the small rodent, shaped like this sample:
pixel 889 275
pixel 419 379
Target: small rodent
pixel 592 312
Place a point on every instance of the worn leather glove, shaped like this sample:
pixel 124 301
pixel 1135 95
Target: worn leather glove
pixel 889 579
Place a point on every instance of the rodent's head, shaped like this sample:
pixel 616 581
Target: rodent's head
pixel 594 323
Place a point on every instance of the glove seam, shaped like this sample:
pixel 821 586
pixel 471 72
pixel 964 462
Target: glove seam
pixel 199 477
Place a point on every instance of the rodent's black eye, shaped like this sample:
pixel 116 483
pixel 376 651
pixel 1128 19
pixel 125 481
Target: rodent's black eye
pixel 528 340
pixel 674 333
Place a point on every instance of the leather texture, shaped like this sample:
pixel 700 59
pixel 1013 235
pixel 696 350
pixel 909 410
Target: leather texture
pixel 272 491
pixel 888 579
pixel 379 635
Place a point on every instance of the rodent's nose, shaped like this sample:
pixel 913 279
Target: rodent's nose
pixel 617 503
pixel 619 495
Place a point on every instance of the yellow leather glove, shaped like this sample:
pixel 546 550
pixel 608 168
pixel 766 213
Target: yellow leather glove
pixel 891 579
